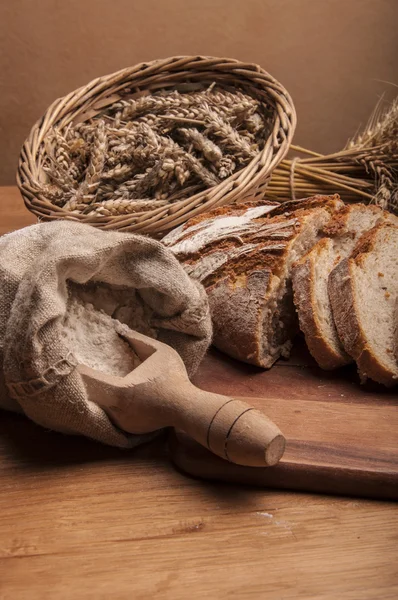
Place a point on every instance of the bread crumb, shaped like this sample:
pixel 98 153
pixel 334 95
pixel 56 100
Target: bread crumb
pixel 380 274
pixel 387 295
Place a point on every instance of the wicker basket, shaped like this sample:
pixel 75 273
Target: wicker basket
pixel 85 102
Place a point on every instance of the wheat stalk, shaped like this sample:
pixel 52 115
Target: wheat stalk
pixel 86 192
pixel 222 101
pixel 228 136
pixel 119 171
pixel 208 178
pixel 55 194
pixel 162 147
pixel 124 207
pixel 200 142
pixel 365 170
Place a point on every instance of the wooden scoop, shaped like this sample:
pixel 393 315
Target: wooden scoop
pixel 158 394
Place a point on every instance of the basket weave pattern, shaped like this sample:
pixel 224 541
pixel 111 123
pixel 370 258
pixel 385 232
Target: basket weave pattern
pixel 87 101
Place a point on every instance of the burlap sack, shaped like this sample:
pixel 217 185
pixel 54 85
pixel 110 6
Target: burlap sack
pixel 37 265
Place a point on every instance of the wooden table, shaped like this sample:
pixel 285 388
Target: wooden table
pixel 80 520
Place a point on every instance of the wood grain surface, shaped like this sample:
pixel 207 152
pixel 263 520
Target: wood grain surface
pixel 81 520
pixel 331 447
pixel 342 437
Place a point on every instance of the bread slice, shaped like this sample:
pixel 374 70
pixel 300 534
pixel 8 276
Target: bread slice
pixel 246 270
pixel 310 277
pixel 363 291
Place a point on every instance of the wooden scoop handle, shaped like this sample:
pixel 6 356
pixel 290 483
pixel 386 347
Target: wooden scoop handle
pixel 158 394
pixel 228 427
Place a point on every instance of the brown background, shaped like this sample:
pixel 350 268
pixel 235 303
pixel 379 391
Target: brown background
pixel 334 56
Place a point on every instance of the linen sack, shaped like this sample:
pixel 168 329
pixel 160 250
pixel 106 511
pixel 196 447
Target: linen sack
pixel 38 375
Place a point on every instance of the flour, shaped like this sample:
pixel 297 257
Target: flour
pixel 91 335
pixel 124 305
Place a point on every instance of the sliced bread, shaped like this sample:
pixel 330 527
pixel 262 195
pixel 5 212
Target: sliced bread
pixel 310 276
pixel 363 291
pixel 246 270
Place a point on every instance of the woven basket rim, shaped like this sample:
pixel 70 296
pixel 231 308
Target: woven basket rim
pixel 160 73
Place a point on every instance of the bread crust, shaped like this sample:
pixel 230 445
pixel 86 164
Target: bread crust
pixel 396 330
pixel 305 301
pixel 238 304
pixel 306 204
pixel 327 355
pixel 345 313
pixel 240 289
pixel 237 315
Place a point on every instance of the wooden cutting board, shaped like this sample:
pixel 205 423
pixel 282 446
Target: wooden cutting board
pixel 342 438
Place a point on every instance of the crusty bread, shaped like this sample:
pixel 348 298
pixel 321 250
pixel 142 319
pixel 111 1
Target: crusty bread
pixel 310 277
pixel 246 269
pixel 395 335
pixel 363 291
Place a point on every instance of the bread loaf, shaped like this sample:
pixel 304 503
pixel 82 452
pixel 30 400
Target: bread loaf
pixel 363 291
pixel 244 258
pixel 310 279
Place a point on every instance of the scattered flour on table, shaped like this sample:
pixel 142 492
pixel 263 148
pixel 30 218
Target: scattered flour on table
pixel 91 335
